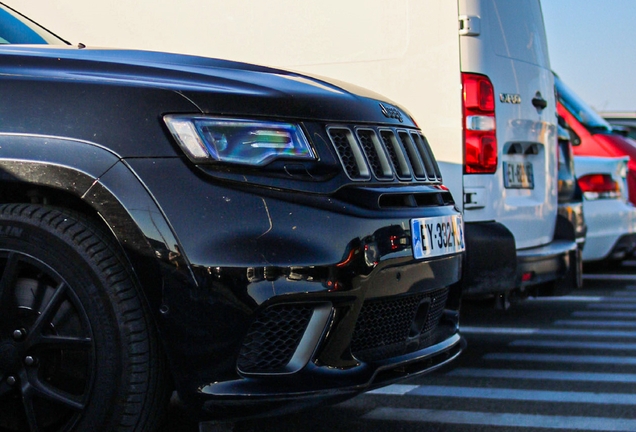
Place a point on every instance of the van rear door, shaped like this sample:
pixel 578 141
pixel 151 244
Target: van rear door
pixel 506 42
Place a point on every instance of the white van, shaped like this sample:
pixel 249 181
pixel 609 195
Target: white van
pixel 496 145
pixel 504 52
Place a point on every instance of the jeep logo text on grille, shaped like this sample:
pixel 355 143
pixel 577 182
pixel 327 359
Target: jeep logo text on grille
pixel 391 112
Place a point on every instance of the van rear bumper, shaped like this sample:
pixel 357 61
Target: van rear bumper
pixel 490 261
pixel 493 264
pixel 559 260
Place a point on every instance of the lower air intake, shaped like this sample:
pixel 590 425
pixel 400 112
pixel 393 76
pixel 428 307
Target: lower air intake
pixel 273 338
pixel 392 326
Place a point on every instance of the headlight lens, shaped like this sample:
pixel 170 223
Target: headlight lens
pixel 247 142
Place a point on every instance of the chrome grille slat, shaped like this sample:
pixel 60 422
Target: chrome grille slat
pixel 432 170
pixel 384 154
pixel 375 153
pixel 413 155
pixel 396 153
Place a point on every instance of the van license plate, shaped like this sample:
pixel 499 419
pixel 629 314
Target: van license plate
pixel 518 175
pixel 437 236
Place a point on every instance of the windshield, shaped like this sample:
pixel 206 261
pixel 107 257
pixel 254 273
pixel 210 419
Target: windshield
pixel 17 29
pixel 579 109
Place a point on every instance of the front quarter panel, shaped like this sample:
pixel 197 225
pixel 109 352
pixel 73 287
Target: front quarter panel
pixel 66 170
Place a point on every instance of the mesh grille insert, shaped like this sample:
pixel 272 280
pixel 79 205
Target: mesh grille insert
pixel 342 140
pixel 435 311
pixel 385 327
pixel 385 322
pixel 273 338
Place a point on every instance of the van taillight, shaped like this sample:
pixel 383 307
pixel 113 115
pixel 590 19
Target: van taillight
pixel 597 186
pixel 480 139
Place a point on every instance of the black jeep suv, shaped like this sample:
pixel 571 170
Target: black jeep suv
pixel 252 239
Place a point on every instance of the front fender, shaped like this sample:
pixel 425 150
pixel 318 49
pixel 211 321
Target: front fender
pixel 101 179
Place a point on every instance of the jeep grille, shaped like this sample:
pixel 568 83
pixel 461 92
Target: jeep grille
pixel 382 154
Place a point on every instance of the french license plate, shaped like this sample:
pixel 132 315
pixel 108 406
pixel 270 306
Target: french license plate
pixel 518 175
pixel 437 236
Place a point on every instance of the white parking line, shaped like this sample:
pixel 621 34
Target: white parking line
pixel 541 375
pixel 618 299
pixel 566 299
pixel 614 346
pixel 624 293
pixel 498 330
pixel 394 389
pixel 561 358
pixel 604 314
pixel 597 323
pixel 525 395
pixel 502 419
pixel 609 277
pixel 612 306
pixel 547 332
pixel 628 298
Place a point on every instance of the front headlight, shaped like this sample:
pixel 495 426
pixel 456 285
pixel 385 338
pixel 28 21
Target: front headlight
pixel 248 142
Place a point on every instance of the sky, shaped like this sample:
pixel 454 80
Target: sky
pixel 593 49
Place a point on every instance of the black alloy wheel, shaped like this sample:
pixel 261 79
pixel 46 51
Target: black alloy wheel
pixel 46 348
pixel 77 351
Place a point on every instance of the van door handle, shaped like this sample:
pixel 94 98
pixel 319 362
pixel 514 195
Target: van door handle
pixel 539 102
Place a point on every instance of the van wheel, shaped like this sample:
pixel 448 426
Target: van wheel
pixel 77 348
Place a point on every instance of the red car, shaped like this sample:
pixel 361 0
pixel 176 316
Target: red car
pixel 594 136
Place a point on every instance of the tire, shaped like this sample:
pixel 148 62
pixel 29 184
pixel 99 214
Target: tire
pixel 78 350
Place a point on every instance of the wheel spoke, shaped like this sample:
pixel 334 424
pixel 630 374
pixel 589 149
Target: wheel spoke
pixel 7 282
pixel 48 312
pixel 53 394
pixel 29 411
pixel 61 342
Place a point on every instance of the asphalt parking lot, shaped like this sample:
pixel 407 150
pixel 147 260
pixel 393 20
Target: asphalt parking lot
pixel 565 363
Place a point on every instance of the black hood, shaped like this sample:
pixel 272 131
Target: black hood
pixel 218 87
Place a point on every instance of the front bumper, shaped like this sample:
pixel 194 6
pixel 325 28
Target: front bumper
pixel 298 298
pixel 231 399
pixel 319 340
